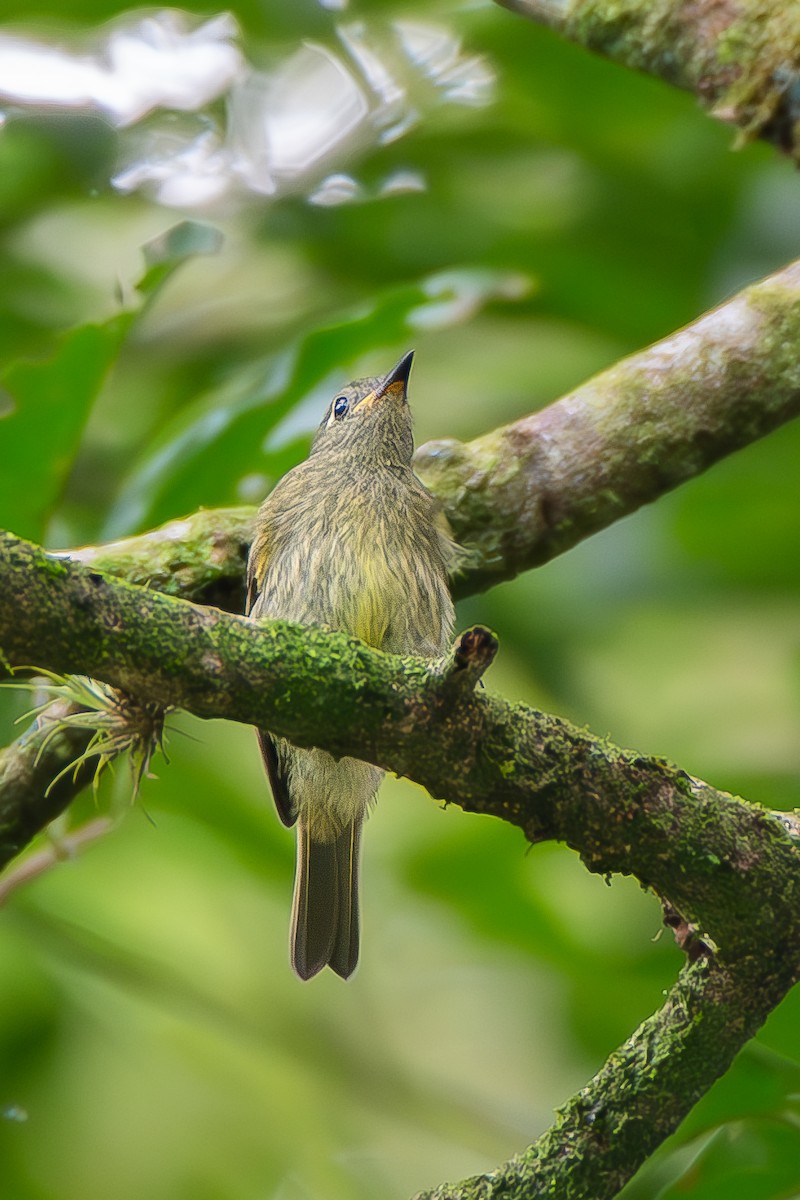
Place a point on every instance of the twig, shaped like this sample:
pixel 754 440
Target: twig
pixel 63 847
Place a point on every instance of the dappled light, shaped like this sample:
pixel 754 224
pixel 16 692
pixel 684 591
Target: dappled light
pixel 268 132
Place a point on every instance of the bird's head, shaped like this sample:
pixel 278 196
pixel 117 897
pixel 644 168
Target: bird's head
pixel 370 419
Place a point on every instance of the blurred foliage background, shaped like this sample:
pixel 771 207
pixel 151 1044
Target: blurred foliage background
pixel 153 1041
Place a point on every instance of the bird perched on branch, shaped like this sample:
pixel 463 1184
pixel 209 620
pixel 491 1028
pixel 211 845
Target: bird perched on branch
pixel 349 539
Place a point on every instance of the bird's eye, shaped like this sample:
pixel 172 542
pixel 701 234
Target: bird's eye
pixel 340 406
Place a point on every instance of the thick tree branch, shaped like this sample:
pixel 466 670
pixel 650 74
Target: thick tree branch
pixel 30 794
pixel 202 557
pixel 525 493
pixel 729 867
pixel 621 811
pixel 741 60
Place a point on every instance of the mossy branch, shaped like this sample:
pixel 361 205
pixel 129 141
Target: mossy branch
pixel 621 811
pixel 741 60
pixel 726 865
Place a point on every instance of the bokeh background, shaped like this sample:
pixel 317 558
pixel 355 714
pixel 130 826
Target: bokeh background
pixel 533 214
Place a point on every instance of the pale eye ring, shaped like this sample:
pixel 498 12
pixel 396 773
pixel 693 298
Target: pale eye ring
pixel 340 407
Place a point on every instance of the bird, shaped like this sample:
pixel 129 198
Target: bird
pixel 350 540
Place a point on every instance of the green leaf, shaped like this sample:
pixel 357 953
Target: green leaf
pixel 760 1083
pixel 44 404
pixel 755 1159
pixel 42 415
pixel 165 253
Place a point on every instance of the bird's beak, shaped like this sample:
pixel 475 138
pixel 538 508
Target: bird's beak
pixel 393 385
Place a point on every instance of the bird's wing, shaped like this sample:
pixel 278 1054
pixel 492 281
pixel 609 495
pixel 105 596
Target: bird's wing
pixel 269 751
pixel 277 778
pixel 252 579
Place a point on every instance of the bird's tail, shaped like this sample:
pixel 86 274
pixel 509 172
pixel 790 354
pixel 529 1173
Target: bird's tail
pixel 325 921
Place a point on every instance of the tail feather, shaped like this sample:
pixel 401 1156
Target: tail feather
pixel 325 920
pixel 344 955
